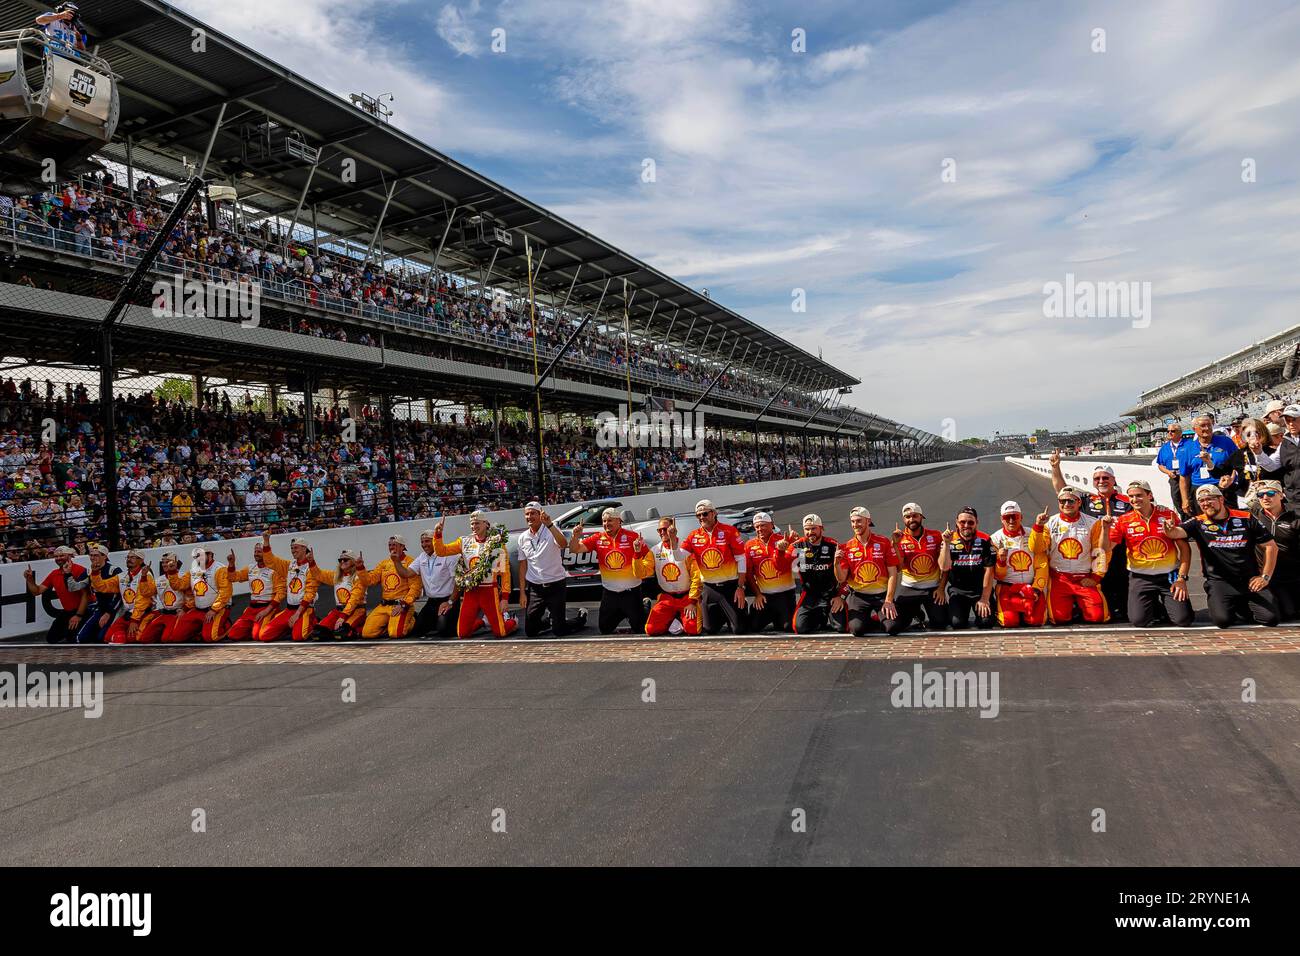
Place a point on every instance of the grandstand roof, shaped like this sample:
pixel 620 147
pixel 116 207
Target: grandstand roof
pixel 171 98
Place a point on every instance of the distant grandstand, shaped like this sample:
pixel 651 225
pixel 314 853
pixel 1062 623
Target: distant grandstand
pixel 395 284
pixel 1239 385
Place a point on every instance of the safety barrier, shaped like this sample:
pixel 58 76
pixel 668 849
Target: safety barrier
pixel 1078 472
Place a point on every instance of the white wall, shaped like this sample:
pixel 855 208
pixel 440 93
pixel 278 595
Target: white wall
pixel 373 539
pixel 1078 472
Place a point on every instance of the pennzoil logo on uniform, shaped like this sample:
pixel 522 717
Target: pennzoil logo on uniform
pixel 81 87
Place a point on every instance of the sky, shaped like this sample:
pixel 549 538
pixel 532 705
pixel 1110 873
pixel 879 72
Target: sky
pixel 922 171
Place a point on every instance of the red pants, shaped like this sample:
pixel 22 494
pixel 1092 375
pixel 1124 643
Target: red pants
pixel 161 628
pixel 668 608
pixel 117 631
pixel 485 601
pixel 280 625
pixel 331 620
pixel 244 626
pixel 1064 591
pixel 1012 611
pixel 189 626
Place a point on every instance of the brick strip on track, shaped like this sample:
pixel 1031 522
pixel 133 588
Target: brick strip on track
pixel 1078 642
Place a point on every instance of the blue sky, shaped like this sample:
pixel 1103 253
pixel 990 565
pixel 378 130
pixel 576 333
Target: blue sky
pixel 821 170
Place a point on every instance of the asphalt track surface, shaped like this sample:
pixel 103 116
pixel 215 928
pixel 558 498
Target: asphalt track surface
pixel 720 768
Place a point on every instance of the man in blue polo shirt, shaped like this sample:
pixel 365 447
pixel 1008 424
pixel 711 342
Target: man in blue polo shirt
pixel 1204 452
pixel 1172 457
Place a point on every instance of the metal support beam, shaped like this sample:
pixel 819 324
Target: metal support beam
pixel 203 166
pixel 379 223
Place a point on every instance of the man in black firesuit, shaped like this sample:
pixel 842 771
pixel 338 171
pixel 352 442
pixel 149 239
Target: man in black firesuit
pixel 819 603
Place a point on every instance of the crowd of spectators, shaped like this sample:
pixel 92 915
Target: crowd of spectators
pixel 93 216
pixel 230 467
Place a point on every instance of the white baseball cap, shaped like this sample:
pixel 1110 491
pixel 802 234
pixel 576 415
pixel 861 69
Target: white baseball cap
pixel 860 512
pixel 1209 491
pixel 398 539
pixel 813 520
pixel 704 503
pixel 762 516
pixel 1010 508
pixel 912 508
pixel 1103 469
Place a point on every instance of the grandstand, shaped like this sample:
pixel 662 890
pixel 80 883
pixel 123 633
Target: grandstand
pixel 398 290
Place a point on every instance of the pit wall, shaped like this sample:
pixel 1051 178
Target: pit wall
pixel 1078 472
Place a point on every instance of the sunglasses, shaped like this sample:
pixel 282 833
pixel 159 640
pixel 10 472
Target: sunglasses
pixel 1267 494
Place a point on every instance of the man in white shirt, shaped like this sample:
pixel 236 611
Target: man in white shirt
pixel 542 576
pixel 437 619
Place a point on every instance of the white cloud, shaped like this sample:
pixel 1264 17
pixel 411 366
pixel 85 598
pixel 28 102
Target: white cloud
pixel 454 28
pixel 846 59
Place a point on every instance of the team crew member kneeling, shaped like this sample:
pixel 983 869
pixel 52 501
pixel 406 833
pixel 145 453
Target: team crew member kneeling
pixel 1078 545
pixel 266 590
pixel 438 582
pixel 924 585
pixel 482 577
pixel 394 616
pixel 819 604
pixel 721 555
pixel 769 561
pixel 300 584
pixel 677 609
pixel 1152 558
pixel 1021 570
pixel 969 558
pixel 1235 586
pixel 349 614
pixel 866 568
pixel 622 556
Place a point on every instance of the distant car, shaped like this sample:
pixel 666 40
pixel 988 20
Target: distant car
pixel 583 570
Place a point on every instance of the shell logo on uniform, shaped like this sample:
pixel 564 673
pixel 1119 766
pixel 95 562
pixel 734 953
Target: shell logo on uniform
pixel 169 598
pixel 200 587
pixel 128 596
pixel 614 560
pixel 1020 560
pixel 923 564
pixel 473 561
pixel 1070 548
pixel 391 581
pixel 767 570
pixel 342 595
pixel 295 585
pixel 867 573
pixel 1153 548
pixel 671 572
pixel 711 559
pixel 257 586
